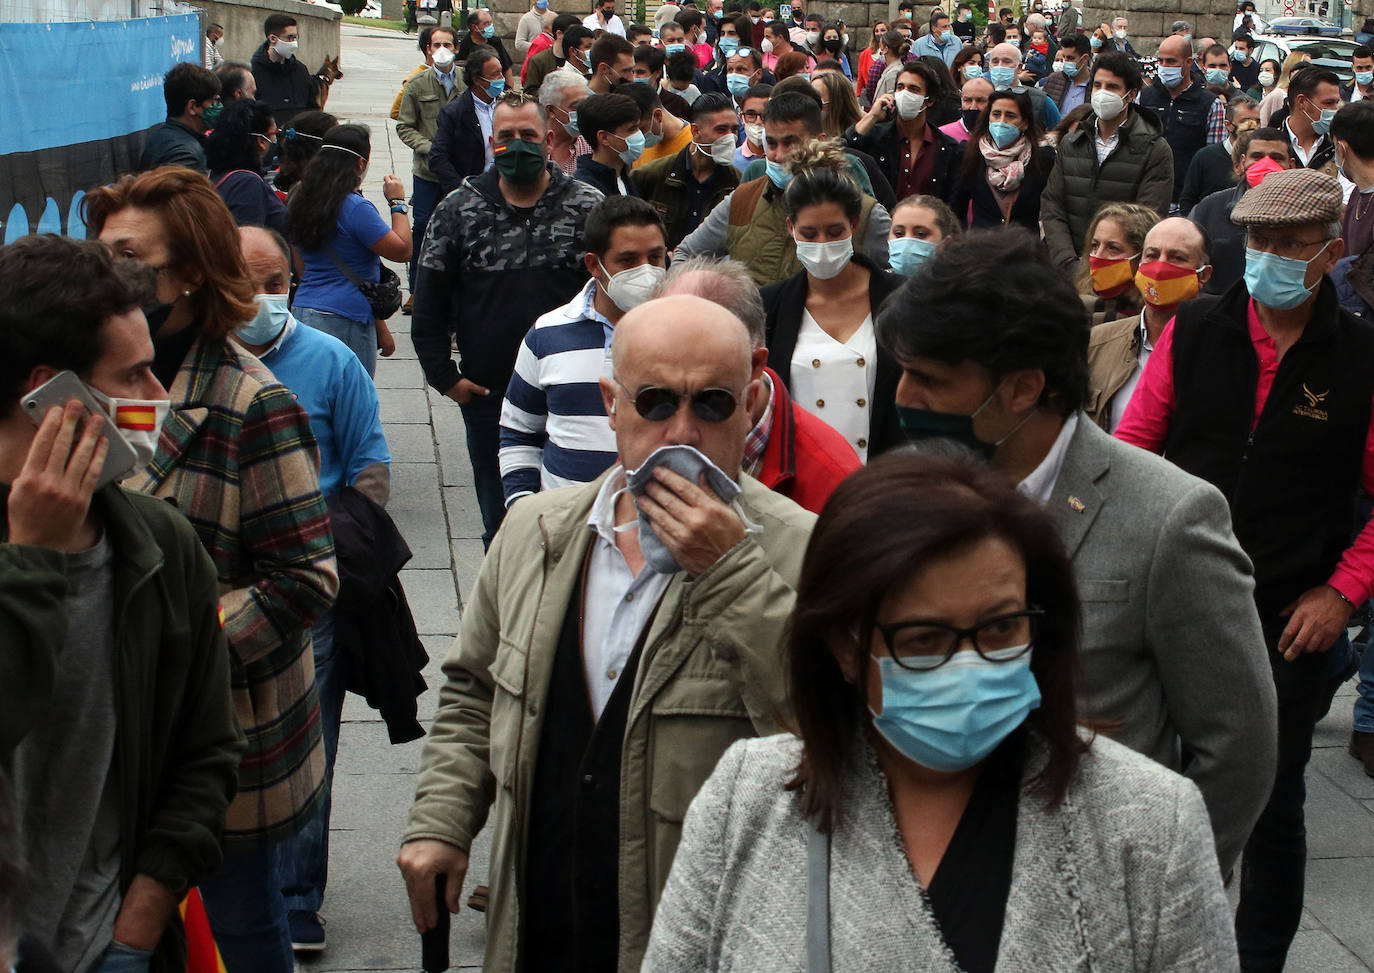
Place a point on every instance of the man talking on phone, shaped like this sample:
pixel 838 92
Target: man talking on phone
pixel 117 722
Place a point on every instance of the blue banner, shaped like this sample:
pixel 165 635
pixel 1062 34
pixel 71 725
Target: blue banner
pixel 75 100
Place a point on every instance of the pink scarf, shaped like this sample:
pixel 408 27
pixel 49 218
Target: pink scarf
pixel 1006 167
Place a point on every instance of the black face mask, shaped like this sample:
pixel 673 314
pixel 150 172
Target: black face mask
pixel 833 45
pixel 971 117
pixel 157 314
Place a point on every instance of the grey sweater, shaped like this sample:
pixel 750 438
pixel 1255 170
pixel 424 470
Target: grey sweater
pixel 1121 876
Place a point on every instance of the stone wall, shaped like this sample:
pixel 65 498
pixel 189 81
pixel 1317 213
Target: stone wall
pixel 242 23
pixel 1150 20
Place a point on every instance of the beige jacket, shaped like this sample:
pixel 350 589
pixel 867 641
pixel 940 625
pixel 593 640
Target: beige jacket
pixel 418 118
pixel 1113 353
pixel 711 674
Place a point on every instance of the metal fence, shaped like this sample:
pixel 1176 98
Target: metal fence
pixel 60 11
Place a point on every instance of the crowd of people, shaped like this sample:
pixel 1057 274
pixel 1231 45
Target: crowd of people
pixel 888 467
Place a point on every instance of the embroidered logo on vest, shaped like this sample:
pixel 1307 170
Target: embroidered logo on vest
pixel 1314 400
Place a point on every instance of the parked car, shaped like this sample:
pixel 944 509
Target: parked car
pixel 1333 53
pixel 1303 26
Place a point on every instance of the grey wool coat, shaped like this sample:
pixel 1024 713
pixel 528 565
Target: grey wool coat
pixel 1121 876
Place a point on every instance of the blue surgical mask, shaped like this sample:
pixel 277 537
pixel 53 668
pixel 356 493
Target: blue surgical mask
pixel 541 5
pixel 1095 42
pixel 718 14
pixel 738 84
pixel 1170 77
pixel 634 148
pixel 1364 77
pixel 1217 76
pixel 729 45
pixel 670 49
pixel 494 88
pixel 1278 282
pixel 908 254
pixel 1322 124
pixel 972 71
pixel 1002 76
pixel 570 126
pixel 1071 69
pixel 778 175
pixel 950 718
pixel 268 323
pixel 1003 133
pixel 1239 56
pixel 489 30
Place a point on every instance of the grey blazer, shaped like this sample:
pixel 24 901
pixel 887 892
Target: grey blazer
pixel 1121 876
pixel 1172 646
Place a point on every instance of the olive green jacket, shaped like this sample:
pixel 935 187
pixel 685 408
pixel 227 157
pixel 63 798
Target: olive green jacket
pixel 418 118
pixel 711 674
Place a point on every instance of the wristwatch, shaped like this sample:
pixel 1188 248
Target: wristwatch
pixel 398 206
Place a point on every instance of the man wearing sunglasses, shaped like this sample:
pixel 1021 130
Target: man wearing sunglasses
pixel 590 694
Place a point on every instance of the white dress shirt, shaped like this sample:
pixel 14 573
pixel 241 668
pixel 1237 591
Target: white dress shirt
pixel 616 605
pixel 485 109
pixel 1040 484
pixel 834 380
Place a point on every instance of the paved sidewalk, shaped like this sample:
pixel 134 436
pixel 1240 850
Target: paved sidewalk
pixel 432 502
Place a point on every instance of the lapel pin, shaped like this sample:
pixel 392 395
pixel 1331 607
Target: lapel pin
pixel 1076 505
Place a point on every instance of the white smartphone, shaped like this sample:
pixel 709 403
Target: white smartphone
pixel 120 458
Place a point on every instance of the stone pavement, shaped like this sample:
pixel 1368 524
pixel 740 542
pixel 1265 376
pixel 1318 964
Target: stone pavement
pixel 433 503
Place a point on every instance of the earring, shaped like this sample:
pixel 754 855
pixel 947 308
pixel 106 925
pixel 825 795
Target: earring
pixel 186 293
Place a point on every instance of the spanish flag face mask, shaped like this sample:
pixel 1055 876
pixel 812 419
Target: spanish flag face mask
pixel 139 421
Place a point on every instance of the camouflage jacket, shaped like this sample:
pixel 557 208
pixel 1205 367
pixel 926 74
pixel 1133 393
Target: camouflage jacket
pixel 486 271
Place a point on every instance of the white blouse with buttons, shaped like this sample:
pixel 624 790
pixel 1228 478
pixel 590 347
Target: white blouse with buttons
pixel 834 380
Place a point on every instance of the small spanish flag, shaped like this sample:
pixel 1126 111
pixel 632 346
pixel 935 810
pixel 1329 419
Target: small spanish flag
pixel 139 418
pixel 221 616
pixel 499 149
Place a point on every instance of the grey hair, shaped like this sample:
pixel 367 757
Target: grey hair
pixel 557 83
pixel 1178 25
pixel 1239 101
pixel 731 287
pixel 1334 229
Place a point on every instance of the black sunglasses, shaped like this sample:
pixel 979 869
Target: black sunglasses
pixel 660 405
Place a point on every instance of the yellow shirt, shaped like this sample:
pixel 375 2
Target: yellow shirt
pixel 396 105
pixel 667 147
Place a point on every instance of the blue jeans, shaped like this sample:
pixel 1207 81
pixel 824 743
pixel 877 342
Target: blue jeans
pixel 1364 702
pixel 302 862
pixel 360 337
pixel 247 913
pixel 119 958
pixel 423 199
pixel 482 419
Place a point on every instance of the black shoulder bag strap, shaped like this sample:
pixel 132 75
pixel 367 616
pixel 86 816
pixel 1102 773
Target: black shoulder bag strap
pixel 817 900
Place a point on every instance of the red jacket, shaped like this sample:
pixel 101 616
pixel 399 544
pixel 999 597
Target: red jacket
pixel 805 458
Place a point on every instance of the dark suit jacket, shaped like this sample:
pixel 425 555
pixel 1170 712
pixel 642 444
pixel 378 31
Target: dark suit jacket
pixel 173 144
pixel 458 149
pixel 783 304
pixel 885 145
pixel 603 177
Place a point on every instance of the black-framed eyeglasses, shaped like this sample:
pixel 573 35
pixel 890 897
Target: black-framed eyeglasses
pixel 659 404
pixel 921 645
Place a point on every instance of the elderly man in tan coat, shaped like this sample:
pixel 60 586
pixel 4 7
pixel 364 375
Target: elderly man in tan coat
pixel 620 637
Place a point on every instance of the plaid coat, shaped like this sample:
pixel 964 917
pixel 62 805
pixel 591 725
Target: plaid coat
pixel 236 456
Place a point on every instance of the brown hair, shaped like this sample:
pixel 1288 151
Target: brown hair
pixel 1135 221
pixel 791 63
pixel 843 109
pixel 878 528
pixel 202 240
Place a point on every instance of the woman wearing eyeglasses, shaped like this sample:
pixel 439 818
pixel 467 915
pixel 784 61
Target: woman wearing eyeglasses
pixel 939 809
pixel 820 321
pixel 243 133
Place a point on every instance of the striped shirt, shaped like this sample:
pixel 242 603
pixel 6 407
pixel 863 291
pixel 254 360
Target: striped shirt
pixel 554 430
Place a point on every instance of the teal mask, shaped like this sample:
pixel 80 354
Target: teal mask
pixel 268 323
pixel 908 254
pixel 777 175
pixel 1278 282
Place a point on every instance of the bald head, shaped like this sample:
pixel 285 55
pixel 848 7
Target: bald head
pixel 1175 240
pixel 681 330
pixel 1004 55
pixel 1176 46
pixel 268 259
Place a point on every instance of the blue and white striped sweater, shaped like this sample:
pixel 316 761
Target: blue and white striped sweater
pixel 554 430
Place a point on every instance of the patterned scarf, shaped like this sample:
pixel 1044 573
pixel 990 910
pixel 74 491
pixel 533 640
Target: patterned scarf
pixel 1006 167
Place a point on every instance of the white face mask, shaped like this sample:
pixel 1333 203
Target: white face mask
pixel 631 288
pixel 910 104
pixel 721 151
pixel 754 132
pixel 443 57
pixel 825 260
pixel 285 49
pixel 812 37
pixel 139 421
pixel 1107 105
pixel 1266 79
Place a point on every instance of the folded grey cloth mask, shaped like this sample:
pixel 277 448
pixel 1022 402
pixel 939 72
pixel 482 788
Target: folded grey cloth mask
pixel 689 463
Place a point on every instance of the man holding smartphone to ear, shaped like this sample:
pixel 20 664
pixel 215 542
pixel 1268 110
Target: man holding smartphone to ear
pixel 117 720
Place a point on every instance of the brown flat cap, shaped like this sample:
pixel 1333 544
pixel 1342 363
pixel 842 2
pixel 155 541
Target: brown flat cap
pixel 1289 198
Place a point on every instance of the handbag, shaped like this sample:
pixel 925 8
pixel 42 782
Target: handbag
pixel 383 295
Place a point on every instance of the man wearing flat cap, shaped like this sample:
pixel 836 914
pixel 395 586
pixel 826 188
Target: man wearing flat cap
pixel 1266 392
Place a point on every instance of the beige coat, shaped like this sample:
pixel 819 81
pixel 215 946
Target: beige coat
pixel 418 118
pixel 1113 353
pixel 710 675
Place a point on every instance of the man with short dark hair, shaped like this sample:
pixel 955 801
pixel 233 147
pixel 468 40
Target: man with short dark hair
pixel 1216 72
pixel 1314 95
pixel 610 61
pixel 552 433
pixel 235 81
pixel 1256 154
pixel 1118 155
pixel 495 257
pixel 191 93
pixel 1245 70
pixel 1361 84
pixel 1189 115
pixel 284 83
pixel 481 32
pixel 1266 393
pixel 1212 169
pixel 603 18
pixel 1352 136
pixel 915 157
pixel 649 65
pixel 611 125
pixel 571 48
pixel 665 134
pixel 940 42
pixel 750 225
pixel 1067 86
pixel 1169 626
pixel 685 187
pixel 462 146
pixel 118 722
